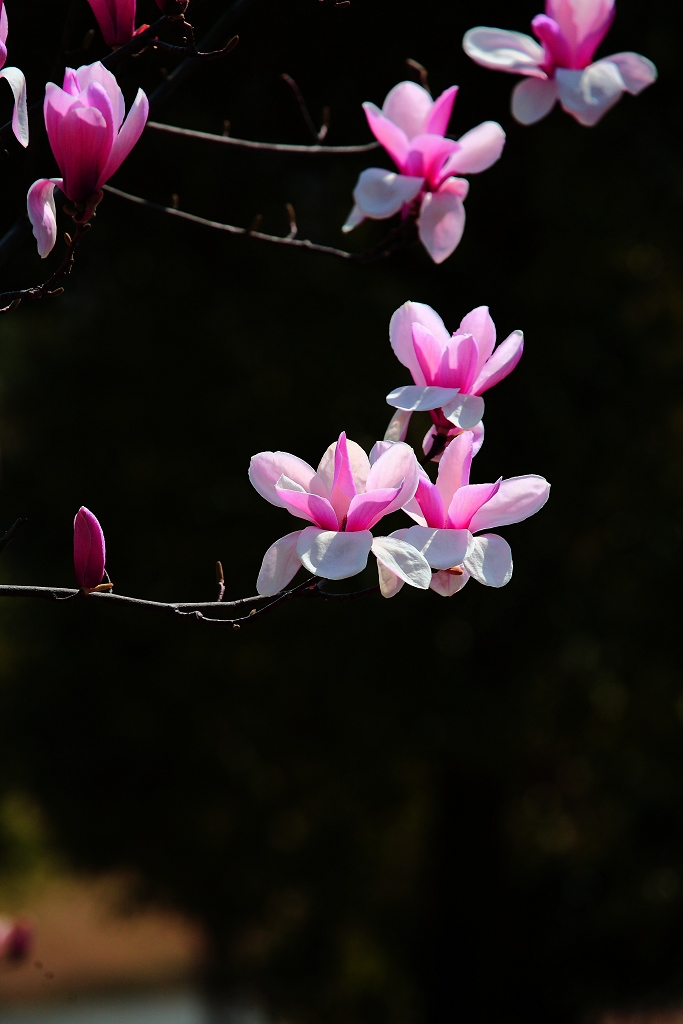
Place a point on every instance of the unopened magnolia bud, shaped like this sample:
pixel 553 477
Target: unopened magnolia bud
pixel 16 939
pixel 89 552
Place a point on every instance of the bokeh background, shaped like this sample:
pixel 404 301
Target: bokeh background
pixel 375 812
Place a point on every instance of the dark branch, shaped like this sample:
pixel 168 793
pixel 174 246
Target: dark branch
pixel 273 147
pixel 318 134
pixel 397 239
pixel 193 611
pixel 51 287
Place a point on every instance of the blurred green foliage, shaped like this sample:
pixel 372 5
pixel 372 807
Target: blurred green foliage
pixel 391 812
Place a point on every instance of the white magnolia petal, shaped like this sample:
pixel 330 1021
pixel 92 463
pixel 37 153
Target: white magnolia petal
pixel 17 84
pixel 504 51
pixel 280 565
pixel 381 193
pixel 533 98
pixel 590 93
pixel 332 555
pixel 489 560
pixel 389 582
pixel 403 560
pixel 355 218
pixel 637 72
pixel 447 583
pixel 443 549
pixel 401 334
pixel 398 426
pixel 479 149
pixel 464 411
pixel 516 499
pixel 412 398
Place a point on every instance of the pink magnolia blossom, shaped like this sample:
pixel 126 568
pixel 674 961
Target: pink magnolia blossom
pixel 560 67
pixel 451 372
pixel 343 499
pixel 116 19
pixel 451 511
pixel 89 139
pixel 17 84
pixel 89 551
pixel 411 127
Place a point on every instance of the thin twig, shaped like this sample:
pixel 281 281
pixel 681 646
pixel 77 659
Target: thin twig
pixel 396 239
pixel 422 72
pixel 10 300
pixel 273 147
pixel 318 134
pixel 194 611
pixel 232 229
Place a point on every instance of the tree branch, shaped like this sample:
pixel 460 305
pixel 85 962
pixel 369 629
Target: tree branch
pixel 192 611
pixel 396 239
pixel 273 147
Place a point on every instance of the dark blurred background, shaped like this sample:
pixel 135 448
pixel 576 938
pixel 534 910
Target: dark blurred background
pixel 381 812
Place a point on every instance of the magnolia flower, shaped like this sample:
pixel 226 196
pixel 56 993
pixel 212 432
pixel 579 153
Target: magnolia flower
pixel 17 84
pixel 449 512
pixel 411 127
pixel 560 68
pixel 343 499
pixel 89 140
pixel 116 19
pixel 450 371
pixel 89 551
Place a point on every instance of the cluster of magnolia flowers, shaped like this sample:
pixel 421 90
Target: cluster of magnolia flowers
pixel 90 138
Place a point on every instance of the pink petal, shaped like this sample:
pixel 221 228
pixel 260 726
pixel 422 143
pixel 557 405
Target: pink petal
pixel 468 500
pixel 554 42
pixel 481 326
pixel 443 549
pixel 266 468
pixel 366 510
pixel 3 32
pixel 311 507
pixel 430 503
pixel 343 485
pixel 447 583
pixel 358 464
pixel 437 122
pixel 397 466
pixel 489 560
pixel 408 105
pixel 532 99
pixel 105 13
pixel 116 19
pixel 42 213
pixel 583 24
pixel 402 559
pixel 479 149
pixel 56 106
pixel 387 134
pixel 637 72
pixel 82 136
pixel 401 334
pixel 130 132
pixel 280 565
pixel 466 352
pixel 355 218
pixel 90 73
pixel 454 467
pixel 389 582
pixel 17 84
pixel 504 51
pixel 441 224
pixel 89 550
pixel 517 498
pixel 428 352
pixel 380 193
pixel 501 363
pixel 427 156
pixel 331 555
